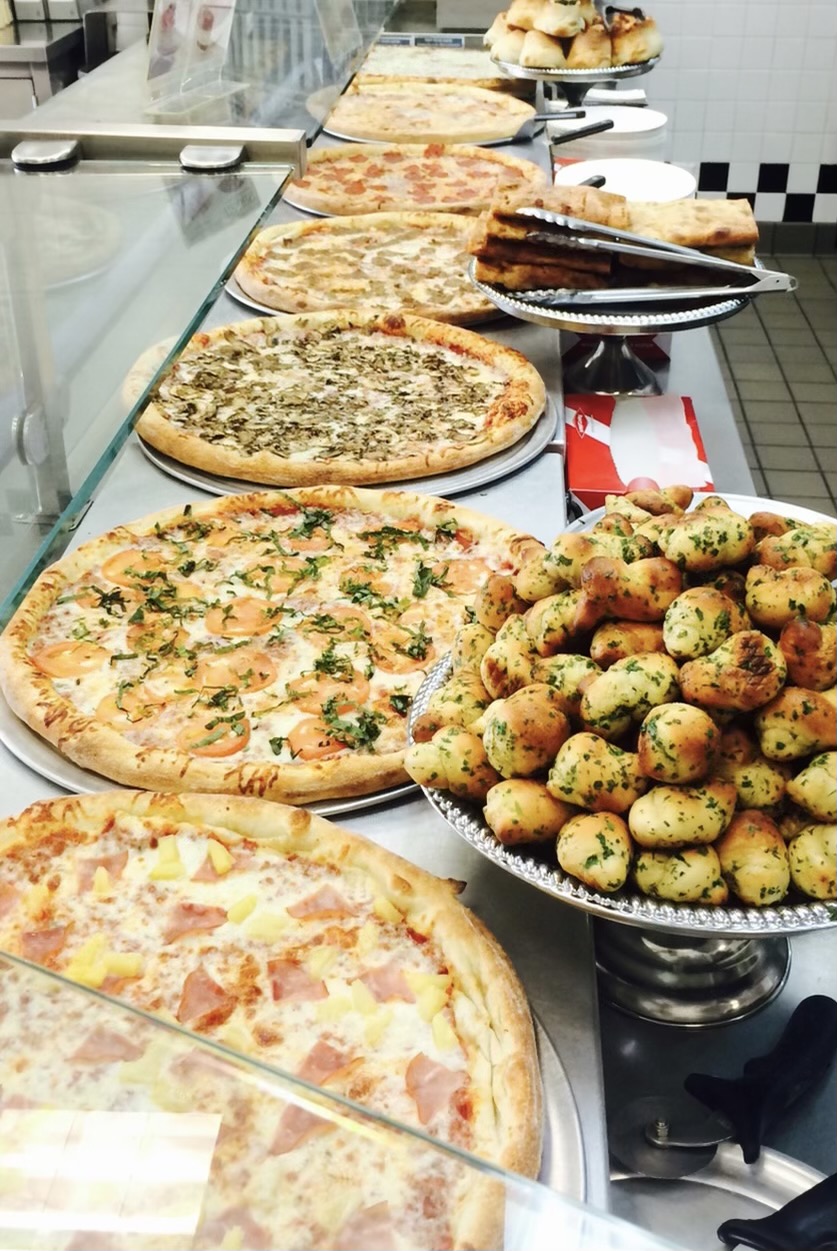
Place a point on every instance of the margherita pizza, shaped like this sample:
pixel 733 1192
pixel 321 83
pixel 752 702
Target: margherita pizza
pixel 305 947
pixel 416 112
pixel 399 262
pixel 344 396
pixel 264 644
pixel 434 177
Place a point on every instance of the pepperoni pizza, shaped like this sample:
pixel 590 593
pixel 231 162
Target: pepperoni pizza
pixel 377 178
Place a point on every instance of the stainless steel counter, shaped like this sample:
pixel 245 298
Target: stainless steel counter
pixel 549 943
pixel 37 59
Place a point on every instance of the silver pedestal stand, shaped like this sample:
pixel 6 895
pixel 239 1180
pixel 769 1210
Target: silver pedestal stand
pixel 611 367
pixel 575 83
pixel 677 964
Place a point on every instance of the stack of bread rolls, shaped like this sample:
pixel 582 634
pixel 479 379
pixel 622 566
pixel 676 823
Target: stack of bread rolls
pixel 654 702
pixel 569 34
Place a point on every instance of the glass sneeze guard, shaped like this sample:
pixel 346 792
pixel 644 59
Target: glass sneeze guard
pixel 98 266
pixel 119 1131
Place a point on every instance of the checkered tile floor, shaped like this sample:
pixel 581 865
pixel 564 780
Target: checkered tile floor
pixel 779 360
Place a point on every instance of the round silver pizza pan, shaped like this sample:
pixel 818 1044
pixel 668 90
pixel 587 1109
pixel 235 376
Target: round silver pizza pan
pixel 562 1162
pixel 508 461
pixel 40 756
pixel 688 1210
pixel 512 137
pixel 536 866
pixel 651 320
pixel 605 74
pixel 236 293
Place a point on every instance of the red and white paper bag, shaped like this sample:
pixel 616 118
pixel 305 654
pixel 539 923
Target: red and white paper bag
pixel 611 440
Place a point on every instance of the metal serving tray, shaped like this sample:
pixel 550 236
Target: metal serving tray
pixel 626 905
pixel 651 320
pixel 577 75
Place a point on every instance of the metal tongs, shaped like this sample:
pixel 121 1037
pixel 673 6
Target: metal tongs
pixel 605 12
pixel 578 235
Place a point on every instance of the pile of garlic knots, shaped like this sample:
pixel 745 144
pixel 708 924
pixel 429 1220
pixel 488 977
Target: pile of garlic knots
pixel 656 697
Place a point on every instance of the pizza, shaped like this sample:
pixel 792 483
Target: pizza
pixel 411 262
pixel 264 644
pixel 435 177
pixel 419 112
pixel 76 239
pixel 346 396
pixel 388 62
pixel 303 946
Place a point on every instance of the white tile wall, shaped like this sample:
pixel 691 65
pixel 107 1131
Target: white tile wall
pixel 751 81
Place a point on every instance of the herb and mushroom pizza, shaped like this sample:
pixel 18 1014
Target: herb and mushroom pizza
pixel 419 112
pixel 264 644
pixel 375 178
pixel 408 262
pixel 342 396
pixel 309 949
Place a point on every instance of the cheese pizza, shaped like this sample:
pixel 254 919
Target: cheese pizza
pixel 410 262
pixel 343 396
pixel 264 644
pixel 307 948
pixel 416 112
pixel 434 177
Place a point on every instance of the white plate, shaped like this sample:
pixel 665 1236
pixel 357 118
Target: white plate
pixel 545 430
pixel 744 504
pixel 40 756
pixel 633 178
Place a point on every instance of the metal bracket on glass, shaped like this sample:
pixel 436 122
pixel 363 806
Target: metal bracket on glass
pixel 211 158
pixel 43 154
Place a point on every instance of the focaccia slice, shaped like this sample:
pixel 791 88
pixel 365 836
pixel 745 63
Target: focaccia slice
pixel 696 223
pixel 524 277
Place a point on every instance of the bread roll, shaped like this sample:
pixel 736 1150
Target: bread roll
pixel 634 39
pixel 540 51
pixel 560 20
pixel 591 49
pixel 508 46
pixel 497 28
pixel 522 13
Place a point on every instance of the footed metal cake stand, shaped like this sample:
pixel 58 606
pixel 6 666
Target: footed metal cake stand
pixel 575 83
pixel 611 367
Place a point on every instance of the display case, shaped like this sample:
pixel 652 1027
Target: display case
pixel 153 245
pixel 91 257
pixel 121 1130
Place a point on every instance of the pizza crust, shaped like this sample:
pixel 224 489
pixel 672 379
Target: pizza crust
pixel 292 267
pixel 510 416
pixel 323 189
pixel 96 746
pixel 435 112
pixel 499 1027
